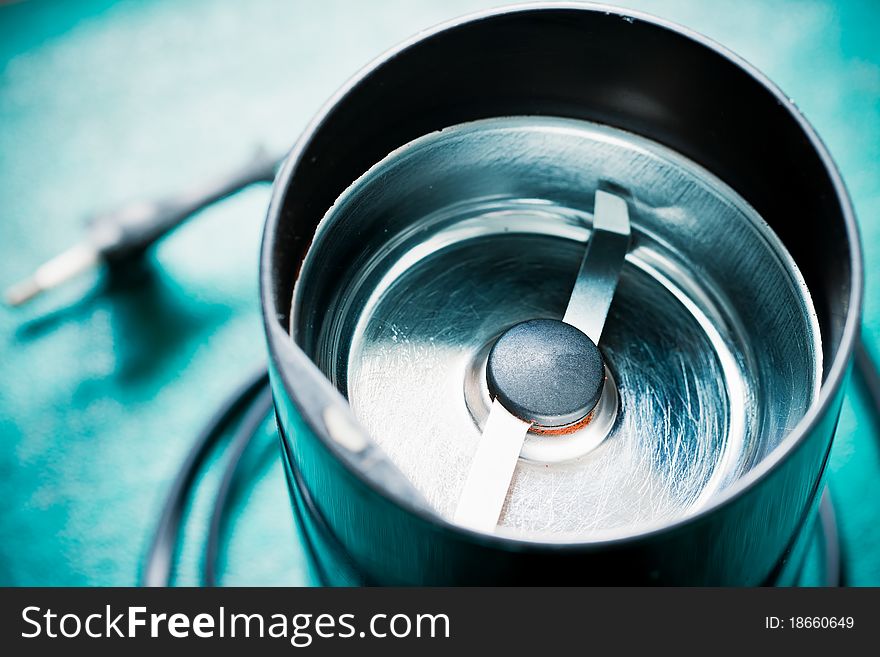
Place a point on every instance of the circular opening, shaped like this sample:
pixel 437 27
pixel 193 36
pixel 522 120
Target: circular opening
pixel 711 339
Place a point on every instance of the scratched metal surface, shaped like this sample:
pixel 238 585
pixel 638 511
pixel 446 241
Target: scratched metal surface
pixel 471 230
pixel 101 102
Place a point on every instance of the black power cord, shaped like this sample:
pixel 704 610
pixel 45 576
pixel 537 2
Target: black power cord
pixel 832 552
pixel 244 435
pixel 122 235
pixel 869 373
pixel 163 547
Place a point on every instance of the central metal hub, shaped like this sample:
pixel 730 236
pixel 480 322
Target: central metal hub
pixel 546 372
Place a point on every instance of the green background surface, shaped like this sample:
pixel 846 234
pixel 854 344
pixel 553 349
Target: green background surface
pixel 105 385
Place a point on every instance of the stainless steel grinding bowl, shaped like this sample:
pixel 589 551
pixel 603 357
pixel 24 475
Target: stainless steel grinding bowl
pixel 712 336
pixel 447 194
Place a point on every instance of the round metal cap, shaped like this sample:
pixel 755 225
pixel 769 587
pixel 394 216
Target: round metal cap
pixel 546 371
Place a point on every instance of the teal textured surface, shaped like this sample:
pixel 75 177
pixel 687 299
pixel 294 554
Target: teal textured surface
pixel 107 382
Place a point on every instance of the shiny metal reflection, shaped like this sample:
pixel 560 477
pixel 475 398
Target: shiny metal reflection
pixel 711 337
pixel 600 269
pixel 488 480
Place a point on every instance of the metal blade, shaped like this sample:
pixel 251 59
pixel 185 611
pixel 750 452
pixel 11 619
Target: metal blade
pixel 491 470
pixel 488 480
pixel 600 268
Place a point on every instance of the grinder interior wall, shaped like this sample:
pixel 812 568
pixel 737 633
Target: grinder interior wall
pixel 596 66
